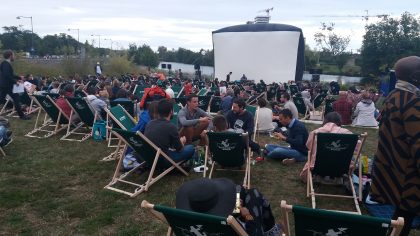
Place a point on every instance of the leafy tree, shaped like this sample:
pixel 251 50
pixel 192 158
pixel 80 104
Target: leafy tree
pixel 388 40
pixel 333 44
pixel 311 58
pixel 143 55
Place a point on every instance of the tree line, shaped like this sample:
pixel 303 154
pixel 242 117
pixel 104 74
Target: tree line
pixel 383 43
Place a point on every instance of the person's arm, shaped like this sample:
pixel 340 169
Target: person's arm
pixel 182 117
pixel 250 124
pixel 298 139
pixel 8 74
pixel 174 137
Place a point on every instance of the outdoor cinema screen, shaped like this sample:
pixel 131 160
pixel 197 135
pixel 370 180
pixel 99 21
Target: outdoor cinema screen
pixel 271 55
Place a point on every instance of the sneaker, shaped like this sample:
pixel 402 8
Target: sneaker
pixel 200 169
pixel 288 161
pixel 259 159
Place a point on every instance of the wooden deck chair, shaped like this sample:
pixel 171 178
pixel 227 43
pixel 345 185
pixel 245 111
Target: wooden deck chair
pixel 121 119
pixel 184 222
pixel 56 122
pixel 139 91
pixel 334 153
pixel 152 156
pixel 177 90
pixel 229 149
pixel 254 111
pixel 300 105
pixel 322 222
pixel 7 106
pixel 80 107
pixel 316 103
pixel 25 99
pixel 253 99
pixel 128 106
pixel 328 105
pixel 202 92
pixel 80 94
pixel 204 102
pixel 54 96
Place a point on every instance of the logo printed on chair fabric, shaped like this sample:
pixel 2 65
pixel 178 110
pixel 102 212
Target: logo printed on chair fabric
pixel 336 146
pixel 80 106
pixel 122 118
pixel 135 143
pixel 46 103
pixel 226 146
pixel 330 232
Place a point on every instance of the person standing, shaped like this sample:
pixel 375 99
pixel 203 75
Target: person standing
pixel 98 69
pixel 7 80
pixel 396 167
pixel 228 77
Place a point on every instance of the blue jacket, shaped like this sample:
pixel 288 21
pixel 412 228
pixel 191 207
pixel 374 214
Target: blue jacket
pixel 297 137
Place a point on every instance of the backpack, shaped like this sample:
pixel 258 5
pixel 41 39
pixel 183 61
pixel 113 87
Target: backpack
pixel 155 94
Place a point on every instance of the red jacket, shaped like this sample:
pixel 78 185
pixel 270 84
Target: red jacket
pixel 149 93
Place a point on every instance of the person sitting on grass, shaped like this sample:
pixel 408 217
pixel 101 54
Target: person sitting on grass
pixel 296 136
pixel 332 124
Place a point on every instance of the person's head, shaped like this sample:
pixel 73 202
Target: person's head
pixel 122 93
pixel 238 106
pixel 285 97
pixel 153 109
pixel 262 102
pixel 230 73
pixel 116 83
pixel 192 101
pixel 219 123
pixel 69 89
pixel 229 92
pixel 9 55
pixel 408 69
pixel 366 95
pixel 342 94
pixel 55 84
pixel 332 117
pixel 164 108
pixel 285 117
pixel 91 90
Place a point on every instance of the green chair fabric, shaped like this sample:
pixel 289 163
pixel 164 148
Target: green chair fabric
pixel 227 148
pixel 83 110
pixel 119 113
pixel 49 107
pixel 334 153
pixel 174 119
pixel 329 105
pixel 318 100
pixel 215 104
pixel 139 91
pixel 300 104
pixel 185 222
pixel 204 102
pixel 176 89
pixel 182 100
pixel 322 222
pixel 128 106
pixel 79 94
pixel 252 109
pixel 202 92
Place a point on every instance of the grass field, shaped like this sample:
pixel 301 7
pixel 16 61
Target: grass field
pixel 53 187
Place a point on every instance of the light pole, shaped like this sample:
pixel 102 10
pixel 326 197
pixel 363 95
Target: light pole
pixel 111 42
pixel 32 28
pixel 99 36
pixel 78 42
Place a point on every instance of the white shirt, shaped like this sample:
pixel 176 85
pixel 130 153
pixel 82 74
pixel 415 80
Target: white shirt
pixel 265 119
pixel 292 107
pixel 170 92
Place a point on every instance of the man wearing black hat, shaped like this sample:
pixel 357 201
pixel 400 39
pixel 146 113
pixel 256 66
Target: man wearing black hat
pixel 218 197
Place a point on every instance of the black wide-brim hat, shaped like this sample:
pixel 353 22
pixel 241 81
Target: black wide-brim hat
pixel 209 196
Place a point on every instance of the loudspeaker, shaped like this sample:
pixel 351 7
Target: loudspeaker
pixel 169 66
pixel 196 66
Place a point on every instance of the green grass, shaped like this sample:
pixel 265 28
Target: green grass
pixel 53 187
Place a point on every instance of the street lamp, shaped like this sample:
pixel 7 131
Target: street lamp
pixel 78 42
pixel 111 42
pixel 99 36
pixel 32 27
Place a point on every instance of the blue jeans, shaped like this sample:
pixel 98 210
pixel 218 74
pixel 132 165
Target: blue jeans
pixel 185 154
pixel 279 152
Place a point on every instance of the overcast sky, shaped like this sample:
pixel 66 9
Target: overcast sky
pixel 189 23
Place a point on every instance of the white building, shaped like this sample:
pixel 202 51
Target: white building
pixel 186 68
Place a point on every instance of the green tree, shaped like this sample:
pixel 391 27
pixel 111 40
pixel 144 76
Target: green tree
pixel 143 55
pixel 311 58
pixel 333 44
pixel 388 40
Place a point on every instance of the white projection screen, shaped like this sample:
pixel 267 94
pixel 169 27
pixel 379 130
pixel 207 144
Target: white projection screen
pixel 268 55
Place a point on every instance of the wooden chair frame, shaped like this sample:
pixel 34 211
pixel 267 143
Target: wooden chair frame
pixel 231 221
pixel 117 177
pixel 397 225
pixel 310 191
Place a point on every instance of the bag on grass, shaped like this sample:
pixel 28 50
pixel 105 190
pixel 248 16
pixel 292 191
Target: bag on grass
pixel 99 131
